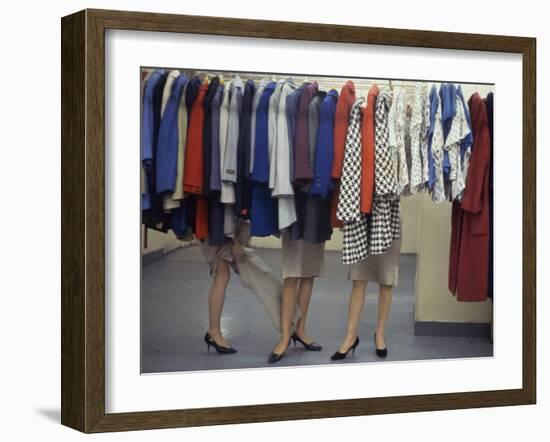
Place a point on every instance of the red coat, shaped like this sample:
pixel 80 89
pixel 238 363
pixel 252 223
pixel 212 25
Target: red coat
pixel 193 167
pixel 468 263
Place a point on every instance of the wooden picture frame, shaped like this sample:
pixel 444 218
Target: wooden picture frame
pixel 83 219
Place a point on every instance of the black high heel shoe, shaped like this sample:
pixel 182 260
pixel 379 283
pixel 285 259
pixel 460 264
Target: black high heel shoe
pixel 313 346
pixel 219 348
pixel 380 352
pixel 338 356
pixel 276 357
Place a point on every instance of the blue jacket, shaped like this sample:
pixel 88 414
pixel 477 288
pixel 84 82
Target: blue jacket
pixel 167 149
pixel 324 149
pixel 264 208
pixel 148 131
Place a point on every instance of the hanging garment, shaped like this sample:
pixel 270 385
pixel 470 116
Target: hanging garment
pixel 167 151
pixel 367 151
pixel 227 195
pixel 324 150
pixel 447 95
pixel 272 116
pixel 192 92
pixel 384 223
pixel 155 217
pixel 243 185
pixel 216 210
pixel 264 218
pixel 229 165
pixel 292 102
pixel 193 181
pixel 355 228
pixel 207 133
pixel 469 255
pixel 313 123
pixel 255 101
pixel 215 172
pixel 396 139
pixel 167 90
pixel 489 106
pixel 436 148
pixel 433 99
pixel 178 195
pixel 282 186
pixel 303 172
pixel 341 123
pixel 148 134
pixel 458 132
pixel 313 201
pixel 465 145
pixel 193 170
pixel 346 101
pixel 312 213
pixel 419 142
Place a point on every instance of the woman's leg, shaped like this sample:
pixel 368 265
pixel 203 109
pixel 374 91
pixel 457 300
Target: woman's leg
pixel 288 303
pixel 216 299
pixel 384 304
pixel 304 296
pixel 356 303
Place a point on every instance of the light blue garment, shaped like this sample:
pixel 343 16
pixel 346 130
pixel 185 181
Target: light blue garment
pixel 434 104
pixel 468 140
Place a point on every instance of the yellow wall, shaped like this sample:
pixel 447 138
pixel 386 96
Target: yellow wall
pixel 433 301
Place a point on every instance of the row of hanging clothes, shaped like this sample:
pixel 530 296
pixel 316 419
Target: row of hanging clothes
pixel 292 157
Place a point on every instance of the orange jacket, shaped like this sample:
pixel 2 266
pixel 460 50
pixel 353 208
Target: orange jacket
pixel 367 152
pixel 341 122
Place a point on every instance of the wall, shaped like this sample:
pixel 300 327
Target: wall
pixel 433 301
pixel 30 253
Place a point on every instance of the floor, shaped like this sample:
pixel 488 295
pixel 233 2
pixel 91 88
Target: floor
pixel 174 319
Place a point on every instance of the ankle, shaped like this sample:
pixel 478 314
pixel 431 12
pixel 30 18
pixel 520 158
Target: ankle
pixel 214 332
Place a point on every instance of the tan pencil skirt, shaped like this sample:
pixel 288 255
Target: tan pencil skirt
pixel 382 269
pixel 302 259
pixel 214 254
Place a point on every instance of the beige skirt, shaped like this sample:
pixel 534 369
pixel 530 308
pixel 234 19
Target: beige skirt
pixel 214 254
pixel 302 259
pixel 382 269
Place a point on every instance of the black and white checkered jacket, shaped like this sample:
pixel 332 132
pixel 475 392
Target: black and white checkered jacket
pixel 372 234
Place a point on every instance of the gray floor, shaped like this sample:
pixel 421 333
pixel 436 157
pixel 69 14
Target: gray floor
pixel 174 319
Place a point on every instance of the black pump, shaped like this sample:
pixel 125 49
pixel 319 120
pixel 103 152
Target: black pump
pixel 276 357
pixel 338 356
pixel 219 348
pixel 380 352
pixel 313 346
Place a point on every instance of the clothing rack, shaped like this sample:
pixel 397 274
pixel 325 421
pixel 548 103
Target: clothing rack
pixel 362 85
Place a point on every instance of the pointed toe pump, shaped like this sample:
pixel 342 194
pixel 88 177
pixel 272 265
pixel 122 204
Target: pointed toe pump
pixel 338 356
pixel 312 346
pixel 219 348
pixel 380 352
pixel 276 357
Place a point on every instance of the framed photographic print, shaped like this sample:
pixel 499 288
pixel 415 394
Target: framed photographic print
pixel 270 220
